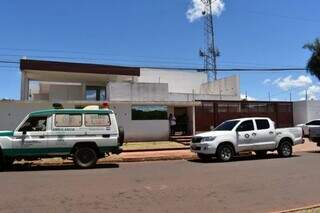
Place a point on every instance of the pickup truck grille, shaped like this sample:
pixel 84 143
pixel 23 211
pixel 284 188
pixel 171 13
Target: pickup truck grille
pixel 196 139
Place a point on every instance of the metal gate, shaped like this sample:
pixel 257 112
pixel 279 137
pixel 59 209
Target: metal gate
pixel 212 113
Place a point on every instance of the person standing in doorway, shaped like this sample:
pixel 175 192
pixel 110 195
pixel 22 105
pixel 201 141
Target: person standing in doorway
pixel 172 123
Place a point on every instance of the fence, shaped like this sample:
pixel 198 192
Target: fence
pixel 212 113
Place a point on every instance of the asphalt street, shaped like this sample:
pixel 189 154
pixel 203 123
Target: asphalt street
pixel 244 185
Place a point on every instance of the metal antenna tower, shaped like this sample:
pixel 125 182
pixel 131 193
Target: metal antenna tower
pixel 210 53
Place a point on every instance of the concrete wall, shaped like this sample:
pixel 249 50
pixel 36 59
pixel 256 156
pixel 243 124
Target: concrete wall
pixel 300 112
pixel 313 110
pixel 227 86
pixel 179 81
pixel 65 93
pixel 153 130
pixel 305 111
pixel 202 97
pixel 12 113
pixel 126 91
pixel 58 92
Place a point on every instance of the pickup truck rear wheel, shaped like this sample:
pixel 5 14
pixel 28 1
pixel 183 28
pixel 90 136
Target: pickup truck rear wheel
pixel 261 154
pixel 285 149
pixel 225 152
pixel 85 157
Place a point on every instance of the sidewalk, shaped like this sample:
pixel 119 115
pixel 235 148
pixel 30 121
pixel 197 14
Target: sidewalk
pixel 184 154
pixel 169 152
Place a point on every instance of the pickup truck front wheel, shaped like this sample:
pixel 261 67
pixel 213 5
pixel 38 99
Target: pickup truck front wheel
pixel 85 157
pixel 225 152
pixel 285 149
pixel 204 157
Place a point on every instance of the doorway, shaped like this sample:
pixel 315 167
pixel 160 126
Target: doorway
pixel 182 119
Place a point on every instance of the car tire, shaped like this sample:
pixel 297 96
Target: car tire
pixel 285 149
pixel 121 136
pixel 204 157
pixel 85 157
pixel 225 153
pixel 261 153
pixel 8 162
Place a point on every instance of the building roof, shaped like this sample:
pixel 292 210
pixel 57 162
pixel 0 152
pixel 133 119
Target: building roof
pixel 48 112
pixel 56 66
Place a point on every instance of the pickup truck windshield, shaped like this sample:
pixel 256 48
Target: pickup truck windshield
pixel 226 126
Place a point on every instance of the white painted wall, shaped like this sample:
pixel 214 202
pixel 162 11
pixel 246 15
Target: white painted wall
pixel 313 110
pixel 305 111
pixel 179 81
pixel 126 91
pixel 155 130
pixel 65 93
pixel 13 112
pixel 300 112
pixel 229 86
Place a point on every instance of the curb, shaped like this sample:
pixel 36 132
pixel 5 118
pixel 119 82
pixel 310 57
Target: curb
pixel 155 150
pixel 299 209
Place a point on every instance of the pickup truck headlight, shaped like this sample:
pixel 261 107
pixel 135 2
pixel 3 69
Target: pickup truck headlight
pixel 205 139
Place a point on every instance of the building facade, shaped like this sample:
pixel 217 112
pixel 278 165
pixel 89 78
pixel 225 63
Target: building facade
pixel 142 98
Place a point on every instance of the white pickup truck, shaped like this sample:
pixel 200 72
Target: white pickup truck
pixel 246 134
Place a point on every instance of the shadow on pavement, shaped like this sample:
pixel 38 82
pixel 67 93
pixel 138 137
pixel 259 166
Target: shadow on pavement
pixel 314 151
pixel 34 167
pixel 243 158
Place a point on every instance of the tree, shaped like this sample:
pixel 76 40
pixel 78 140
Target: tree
pixel 313 66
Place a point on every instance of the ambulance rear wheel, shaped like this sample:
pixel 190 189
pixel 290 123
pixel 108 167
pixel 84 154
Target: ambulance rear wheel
pixel 85 157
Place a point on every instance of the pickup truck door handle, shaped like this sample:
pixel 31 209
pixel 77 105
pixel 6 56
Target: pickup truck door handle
pixel 41 136
pixel 271 133
pixel 254 134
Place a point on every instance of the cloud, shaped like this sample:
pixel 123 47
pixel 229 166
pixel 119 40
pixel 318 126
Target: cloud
pixel 313 93
pixel 195 11
pixel 267 81
pixel 243 96
pixel 289 82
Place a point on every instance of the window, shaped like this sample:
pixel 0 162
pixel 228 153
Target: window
pixel 245 126
pixel 95 93
pixel 314 123
pixel 97 120
pixel 34 124
pixel 226 126
pixel 68 120
pixel 149 112
pixel 262 124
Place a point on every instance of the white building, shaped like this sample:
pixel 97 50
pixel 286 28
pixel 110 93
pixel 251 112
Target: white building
pixel 142 98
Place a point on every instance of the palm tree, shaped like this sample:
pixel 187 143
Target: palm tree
pixel 313 66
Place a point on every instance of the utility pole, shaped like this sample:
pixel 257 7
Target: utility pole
pixel 306 94
pixel 210 53
pixel 290 96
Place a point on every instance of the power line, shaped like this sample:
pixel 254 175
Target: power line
pixel 301 19
pixel 9 62
pixel 261 69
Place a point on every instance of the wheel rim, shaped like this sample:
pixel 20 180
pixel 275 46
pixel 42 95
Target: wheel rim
pixel 85 156
pixel 286 149
pixel 226 153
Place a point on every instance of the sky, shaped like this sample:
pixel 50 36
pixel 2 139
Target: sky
pixel 166 33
